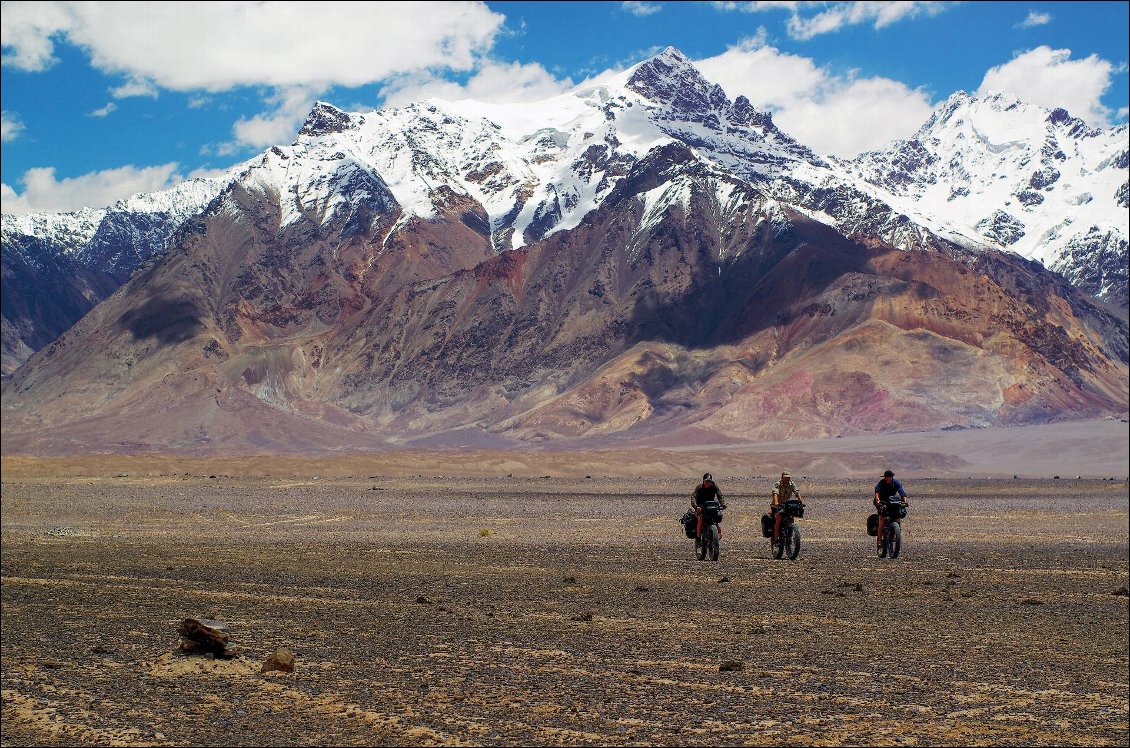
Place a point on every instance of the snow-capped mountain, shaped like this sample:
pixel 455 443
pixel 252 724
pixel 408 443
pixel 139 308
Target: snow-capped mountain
pixel 57 266
pixel 638 255
pixel 1035 181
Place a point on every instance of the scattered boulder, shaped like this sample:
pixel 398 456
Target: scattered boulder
pixel 641 588
pixel 1122 591
pixel 204 636
pixel 569 580
pixel 423 600
pixel 724 580
pixel 282 660
pixel 1031 601
pixel 730 666
pixel 584 617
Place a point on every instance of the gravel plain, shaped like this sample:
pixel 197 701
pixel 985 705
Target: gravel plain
pixel 570 611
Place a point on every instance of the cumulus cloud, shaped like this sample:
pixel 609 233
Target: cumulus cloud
pixel 638 8
pixel 290 107
pixel 42 192
pixel 10 127
pixel 1050 78
pixel 1035 18
pixel 832 16
pixel 868 113
pixel 292 50
pixel 188 46
pixel 492 82
pixel 26 30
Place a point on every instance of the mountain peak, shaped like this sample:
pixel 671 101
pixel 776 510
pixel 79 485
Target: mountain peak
pixel 671 78
pixel 325 119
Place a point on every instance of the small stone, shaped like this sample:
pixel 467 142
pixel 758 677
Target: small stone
pixel 282 659
pixel 582 617
pixel 641 588
pixel 423 600
pixel 569 580
pixel 1031 601
pixel 730 666
pixel 859 587
pixel 1122 591
pixel 723 580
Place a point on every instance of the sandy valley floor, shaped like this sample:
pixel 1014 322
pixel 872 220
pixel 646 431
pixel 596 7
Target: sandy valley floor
pixel 556 611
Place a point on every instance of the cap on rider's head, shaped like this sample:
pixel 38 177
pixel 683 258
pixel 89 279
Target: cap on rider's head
pixel 707 477
pixel 786 474
pixel 888 474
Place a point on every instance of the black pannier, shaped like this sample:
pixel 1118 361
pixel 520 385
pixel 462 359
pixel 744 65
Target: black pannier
pixel 795 508
pixel 712 513
pixel 894 510
pixel 767 525
pixel 873 525
pixel 690 523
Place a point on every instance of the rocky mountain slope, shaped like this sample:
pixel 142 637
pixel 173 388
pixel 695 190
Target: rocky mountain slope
pixel 639 258
pixel 58 266
pixel 1038 182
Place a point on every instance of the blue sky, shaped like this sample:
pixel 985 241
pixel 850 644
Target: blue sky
pixel 102 100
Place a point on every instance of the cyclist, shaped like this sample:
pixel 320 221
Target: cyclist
pixel 706 491
pixel 884 490
pixel 783 490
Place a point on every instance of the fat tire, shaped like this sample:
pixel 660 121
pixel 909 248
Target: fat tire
pixel 792 541
pixel 713 542
pixel 895 546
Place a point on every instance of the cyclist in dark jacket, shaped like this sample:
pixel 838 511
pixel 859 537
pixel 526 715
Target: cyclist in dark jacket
pixel 705 492
pixel 884 490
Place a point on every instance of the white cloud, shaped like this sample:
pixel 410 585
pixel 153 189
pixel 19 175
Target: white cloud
pixel 638 8
pixel 26 30
pixel 493 82
pixel 1035 18
pixel 98 189
pixel 1050 78
pixel 1121 114
pixel 833 16
pixel 10 127
pixel 190 46
pixel 293 50
pixel 291 105
pixel 134 87
pixel 104 111
pixel 868 112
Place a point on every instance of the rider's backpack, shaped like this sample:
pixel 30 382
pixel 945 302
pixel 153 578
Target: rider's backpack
pixel 690 524
pixel 873 525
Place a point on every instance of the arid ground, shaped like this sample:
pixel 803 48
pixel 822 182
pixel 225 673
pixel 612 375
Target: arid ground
pixel 555 610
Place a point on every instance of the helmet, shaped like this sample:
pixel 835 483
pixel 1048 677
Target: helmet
pixel 888 474
pixel 706 477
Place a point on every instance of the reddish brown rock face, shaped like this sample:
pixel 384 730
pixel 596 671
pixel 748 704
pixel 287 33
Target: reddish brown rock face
pixel 759 323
